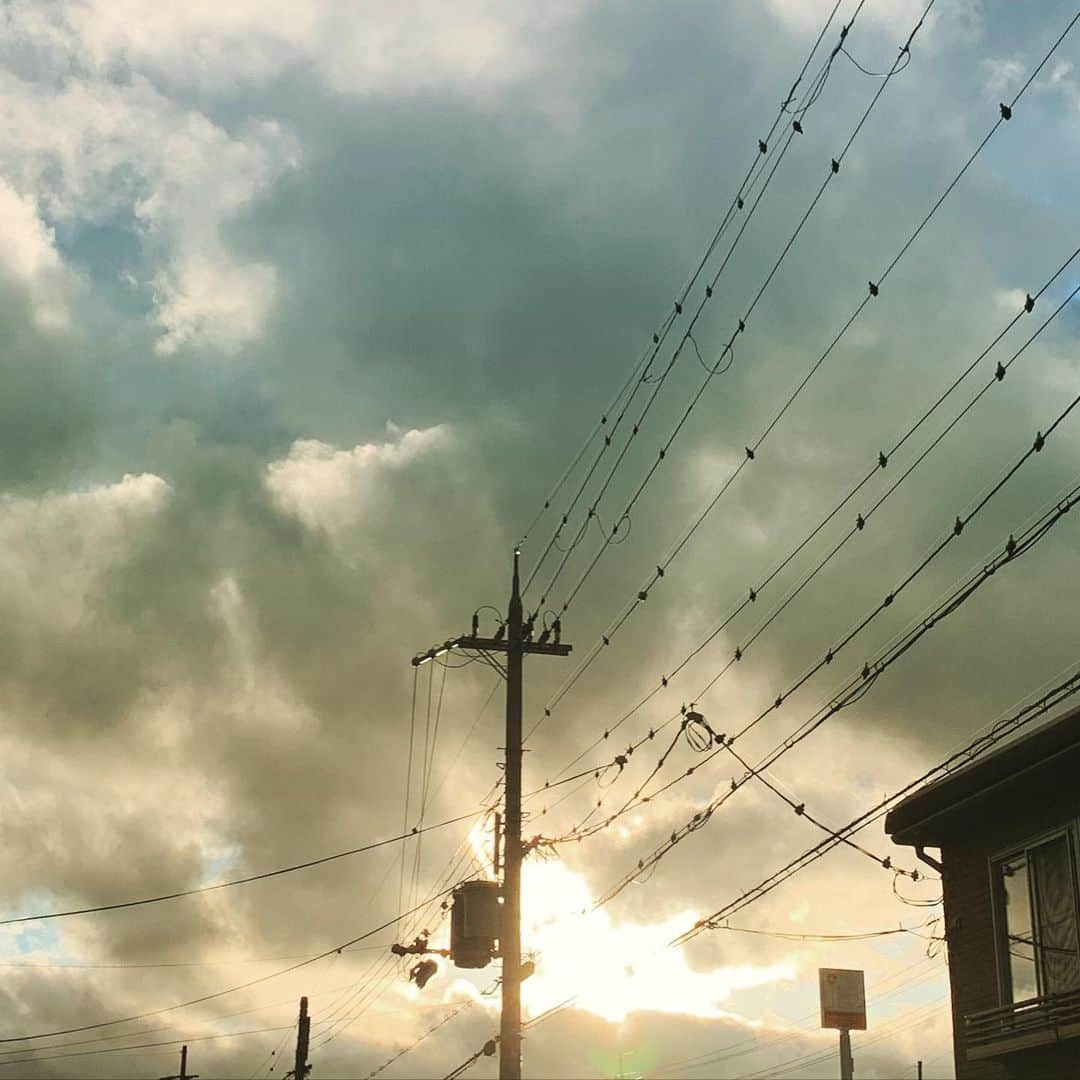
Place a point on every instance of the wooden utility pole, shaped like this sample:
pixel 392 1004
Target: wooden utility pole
pixel 303 1031
pixel 515 639
pixel 183 1073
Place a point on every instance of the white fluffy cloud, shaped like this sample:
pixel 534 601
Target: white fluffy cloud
pixel 328 489
pixel 54 548
pixel 86 148
pixel 29 258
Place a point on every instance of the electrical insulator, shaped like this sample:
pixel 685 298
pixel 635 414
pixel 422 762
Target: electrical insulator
pixel 474 923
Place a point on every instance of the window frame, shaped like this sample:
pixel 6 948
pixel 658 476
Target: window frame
pixel 1070 830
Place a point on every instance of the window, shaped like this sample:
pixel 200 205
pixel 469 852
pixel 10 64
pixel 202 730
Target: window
pixel 1039 945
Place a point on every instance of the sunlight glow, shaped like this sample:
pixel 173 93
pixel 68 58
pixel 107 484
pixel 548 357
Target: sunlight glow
pixel 614 968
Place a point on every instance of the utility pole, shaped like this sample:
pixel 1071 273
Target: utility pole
pixel 183 1073
pixel 514 639
pixel 918 1068
pixel 303 1031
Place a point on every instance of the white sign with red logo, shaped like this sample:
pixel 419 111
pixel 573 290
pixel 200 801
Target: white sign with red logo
pixel 843 999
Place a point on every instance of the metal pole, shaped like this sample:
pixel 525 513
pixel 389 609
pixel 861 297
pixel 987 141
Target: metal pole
pixel 510 940
pixel 919 1070
pixel 847 1065
pixel 303 1030
pixel 183 1063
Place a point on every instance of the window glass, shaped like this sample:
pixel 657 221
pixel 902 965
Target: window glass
pixel 1055 904
pixel 1018 927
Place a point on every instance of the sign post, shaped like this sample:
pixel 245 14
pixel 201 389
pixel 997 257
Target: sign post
pixel 843 1006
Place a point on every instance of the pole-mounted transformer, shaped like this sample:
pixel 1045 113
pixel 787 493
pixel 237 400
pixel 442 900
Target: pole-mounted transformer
pixel 475 916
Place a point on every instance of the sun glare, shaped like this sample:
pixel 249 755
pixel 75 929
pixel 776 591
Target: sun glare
pixel 613 968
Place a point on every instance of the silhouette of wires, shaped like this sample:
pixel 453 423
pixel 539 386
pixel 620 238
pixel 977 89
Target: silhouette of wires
pixel 1004 113
pixel 740 328
pixel 760 169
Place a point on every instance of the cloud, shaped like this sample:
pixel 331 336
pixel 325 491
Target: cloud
pixel 91 152
pixel 331 489
pixel 31 261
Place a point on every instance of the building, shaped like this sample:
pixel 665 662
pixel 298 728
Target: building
pixel 1007 826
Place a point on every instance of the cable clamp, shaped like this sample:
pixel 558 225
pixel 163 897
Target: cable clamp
pixel 800 809
pixel 1010 547
pixel 882 460
pixel 999 372
pixel 958 526
pixel 873 289
pixel 1006 112
pixel 762 146
pixel 1029 302
pixel 1040 442
pixel 860 521
pixel 738 653
pixel 835 165
pixel 749 454
pixel 797 126
pixel 739 202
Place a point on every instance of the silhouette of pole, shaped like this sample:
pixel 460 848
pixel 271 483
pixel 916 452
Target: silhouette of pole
pixel 183 1073
pixel 515 638
pixel 303 1031
pixel 510 938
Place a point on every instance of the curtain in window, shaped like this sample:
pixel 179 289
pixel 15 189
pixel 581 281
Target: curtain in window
pixel 1055 898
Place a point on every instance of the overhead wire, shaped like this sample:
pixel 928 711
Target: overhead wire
pixel 726 742
pixel 858 686
pixel 973 750
pixel 740 325
pixel 754 592
pixel 765 151
pixel 229 990
pixel 1005 112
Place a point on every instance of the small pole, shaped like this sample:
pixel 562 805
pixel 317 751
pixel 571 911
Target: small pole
pixel 497 861
pixel 303 1030
pixel 919 1069
pixel 847 1065
pixel 183 1073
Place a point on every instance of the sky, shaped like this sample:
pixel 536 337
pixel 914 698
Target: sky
pixel 307 307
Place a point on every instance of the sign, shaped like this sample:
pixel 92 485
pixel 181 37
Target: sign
pixel 843 999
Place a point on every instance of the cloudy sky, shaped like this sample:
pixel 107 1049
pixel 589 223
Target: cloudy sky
pixel 305 309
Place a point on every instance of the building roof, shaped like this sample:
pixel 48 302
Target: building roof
pixel 924 817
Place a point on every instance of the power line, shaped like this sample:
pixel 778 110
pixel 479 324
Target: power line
pixel 1005 113
pixel 861 521
pixel 120 905
pixel 976 748
pixel 861 684
pixel 767 150
pixel 416 1042
pixel 639 372
pixel 232 989
pixel 740 326
pixel 143 1046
